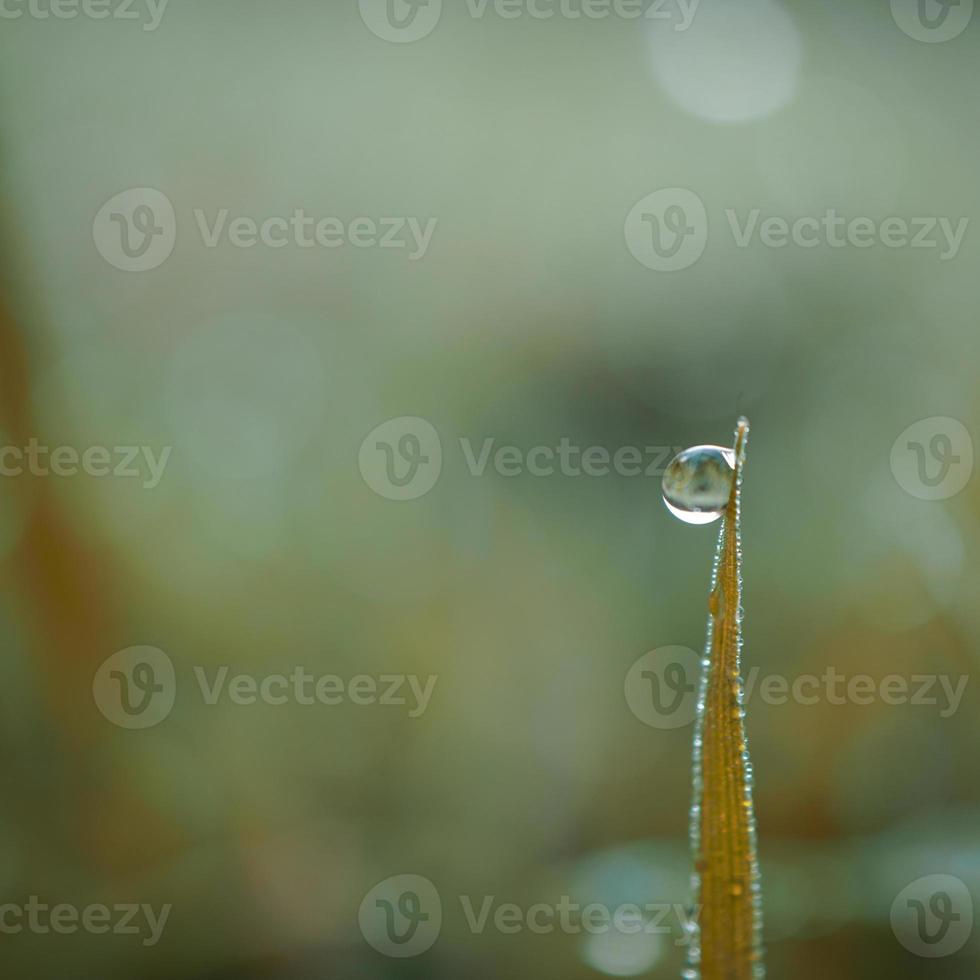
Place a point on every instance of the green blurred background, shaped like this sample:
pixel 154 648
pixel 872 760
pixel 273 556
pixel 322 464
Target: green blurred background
pixel 270 543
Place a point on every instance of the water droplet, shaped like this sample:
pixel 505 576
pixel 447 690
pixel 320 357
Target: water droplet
pixel 698 482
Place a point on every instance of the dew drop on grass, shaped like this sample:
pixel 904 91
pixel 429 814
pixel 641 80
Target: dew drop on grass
pixel 698 482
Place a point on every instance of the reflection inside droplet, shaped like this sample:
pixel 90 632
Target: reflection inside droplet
pixel 693 516
pixel 698 482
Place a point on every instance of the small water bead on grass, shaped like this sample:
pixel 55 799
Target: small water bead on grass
pixel 698 482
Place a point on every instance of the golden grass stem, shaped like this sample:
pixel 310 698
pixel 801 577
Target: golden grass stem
pixel 728 897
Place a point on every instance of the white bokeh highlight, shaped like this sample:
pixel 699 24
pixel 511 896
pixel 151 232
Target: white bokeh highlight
pixel 737 62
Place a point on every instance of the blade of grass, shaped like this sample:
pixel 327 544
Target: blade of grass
pixel 723 835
